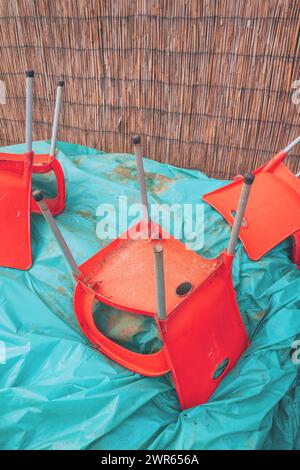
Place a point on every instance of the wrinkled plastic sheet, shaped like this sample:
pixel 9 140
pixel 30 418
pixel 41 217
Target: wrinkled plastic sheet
pixel 58 392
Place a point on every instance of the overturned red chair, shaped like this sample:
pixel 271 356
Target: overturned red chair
pixel 16 202
pixel 191 298
pixel 273 213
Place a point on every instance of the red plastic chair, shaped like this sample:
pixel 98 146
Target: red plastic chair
pixel 191 298
pixel 273 212
pixel 16 201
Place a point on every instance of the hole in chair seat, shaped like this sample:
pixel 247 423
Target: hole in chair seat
pixel 184 289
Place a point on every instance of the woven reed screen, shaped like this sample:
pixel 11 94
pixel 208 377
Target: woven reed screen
pixel 208 84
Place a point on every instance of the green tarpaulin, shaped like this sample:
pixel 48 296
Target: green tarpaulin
pixel 59 392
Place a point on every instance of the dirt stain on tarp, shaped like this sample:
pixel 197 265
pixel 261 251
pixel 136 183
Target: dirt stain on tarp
pixel 61 290
pixel 50 247
pixel 124 326
pixel 127 171
pixel 259 315
pixel 86 214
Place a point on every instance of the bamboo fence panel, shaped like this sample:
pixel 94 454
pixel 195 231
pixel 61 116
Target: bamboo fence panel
pixel 207 83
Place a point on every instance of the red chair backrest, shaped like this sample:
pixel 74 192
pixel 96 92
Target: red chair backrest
pixel 15 196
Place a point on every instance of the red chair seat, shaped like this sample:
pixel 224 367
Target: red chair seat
pixel 273 210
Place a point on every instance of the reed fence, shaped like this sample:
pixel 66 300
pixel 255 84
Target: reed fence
pixel 208 84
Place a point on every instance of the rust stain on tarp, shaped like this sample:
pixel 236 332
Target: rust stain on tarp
pixel 259 315
pixel 61 290
pixel 124 326
pixel 127 171
pixel 86 214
